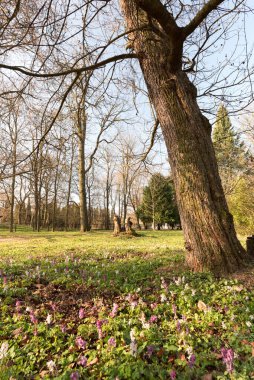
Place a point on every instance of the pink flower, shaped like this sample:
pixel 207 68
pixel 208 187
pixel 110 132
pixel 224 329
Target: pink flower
pixel 228 358
pixel 18 307
pixel 82 361
pixel 74 376
pixel 173 374
pixel 114 310
pixel 80 343
pixel 99 324
pixel 112 342
pixel 153 319
pixel 33 317
pixel 81 313
pixel 63 328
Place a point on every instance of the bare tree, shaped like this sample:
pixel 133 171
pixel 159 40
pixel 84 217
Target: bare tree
pixel 170 40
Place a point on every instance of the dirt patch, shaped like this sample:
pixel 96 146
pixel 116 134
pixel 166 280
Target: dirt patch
pixel 245 276
pixel 11 239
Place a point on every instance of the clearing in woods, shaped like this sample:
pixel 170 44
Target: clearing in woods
pixel 94 306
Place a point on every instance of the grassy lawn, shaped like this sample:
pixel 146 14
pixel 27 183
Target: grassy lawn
pixel 94 306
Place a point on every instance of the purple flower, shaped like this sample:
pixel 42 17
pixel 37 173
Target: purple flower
pixel 99 323
pixel 33 317
pixel 150 350
pixel 81 313
pixel 114 310
pixel 228 358
pixel 112 342
pixel 192 360
pixel 82 361
pixel 53 306
pixel 164 284
pixel 18 307
pixel 173 374
pixel 80 343
pixel 153 319
pixel 74 376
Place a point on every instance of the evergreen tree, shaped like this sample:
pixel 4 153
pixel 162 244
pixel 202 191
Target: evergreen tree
pixel 158 204
pixel 230 151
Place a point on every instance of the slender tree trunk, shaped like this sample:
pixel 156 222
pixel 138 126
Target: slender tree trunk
pixel 13 182
pixel 210 237
pixel 66 221
pixel 55 193
pixel 107 221
pixel 20 211
pixel 82 185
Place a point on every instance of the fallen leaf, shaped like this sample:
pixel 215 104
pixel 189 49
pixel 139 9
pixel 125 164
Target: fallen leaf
pixel 202 306
pixel 207 376
pixel 43 374
pixel 94 361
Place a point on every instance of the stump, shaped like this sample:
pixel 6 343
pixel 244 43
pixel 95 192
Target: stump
pixel 128 225
pixel 117 225
pixel 250 245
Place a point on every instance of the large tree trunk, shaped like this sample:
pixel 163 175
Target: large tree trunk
pixel 210 237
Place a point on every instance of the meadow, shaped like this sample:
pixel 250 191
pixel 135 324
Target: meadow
pixel 93 306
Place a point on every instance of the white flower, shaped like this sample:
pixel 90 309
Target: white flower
pixel 132 335
pixel 189 351
pixel 51 365
pixel 193 292
pixel 251 317
pixel 163 298
pixel 49 319
pixel 133 348
pixel 224 326
pixel 4 350
pixel 248 323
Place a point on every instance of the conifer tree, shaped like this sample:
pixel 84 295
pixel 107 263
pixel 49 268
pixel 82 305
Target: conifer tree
pixel 230 151
pixel 158 204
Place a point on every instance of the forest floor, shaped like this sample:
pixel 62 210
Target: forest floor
pixel 93 306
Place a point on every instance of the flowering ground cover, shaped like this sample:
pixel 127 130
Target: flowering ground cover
pixel 94 306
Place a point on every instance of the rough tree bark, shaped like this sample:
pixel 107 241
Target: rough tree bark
pixel 117 225
pixel 210 237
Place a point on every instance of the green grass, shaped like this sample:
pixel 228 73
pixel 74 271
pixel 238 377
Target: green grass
pixel 166 320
